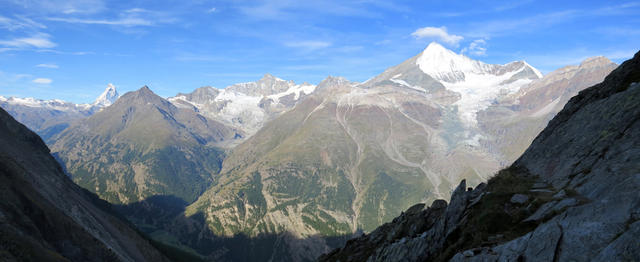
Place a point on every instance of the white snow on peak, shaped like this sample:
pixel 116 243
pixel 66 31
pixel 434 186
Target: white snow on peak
pixel 478 91
pixel 404 83
pixel 52 104
pixel 305 89
pixel 478 83
pixel 241 105
pixel 535 70
pixel 108 97
pixel 445 65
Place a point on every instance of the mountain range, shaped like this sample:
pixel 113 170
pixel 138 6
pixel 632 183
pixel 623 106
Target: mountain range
pixel 48 117
pixel 300 164
pixel 142 146
pixel 572 196
pixel 354 155
pixel 245 106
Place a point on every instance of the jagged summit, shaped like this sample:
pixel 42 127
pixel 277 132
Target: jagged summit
pixel 141 97
pixel 445 65
pixel 595 61
pixel 438 53
pixel 245 105
pixel 144 91
pixel 107 97
pixel 478 83
pixel 268 76
pixel 333 81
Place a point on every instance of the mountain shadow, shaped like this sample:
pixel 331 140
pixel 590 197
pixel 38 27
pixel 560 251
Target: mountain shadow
pixel 162 219
pixel 44 216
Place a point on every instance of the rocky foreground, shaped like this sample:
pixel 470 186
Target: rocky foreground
pixel 572 196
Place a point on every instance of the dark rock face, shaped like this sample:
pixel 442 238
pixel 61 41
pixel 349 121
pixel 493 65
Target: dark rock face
pixel 576 189
pixel 44 216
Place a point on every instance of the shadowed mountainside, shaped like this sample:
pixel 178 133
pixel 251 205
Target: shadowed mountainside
pixel 44 216
pixel 162 218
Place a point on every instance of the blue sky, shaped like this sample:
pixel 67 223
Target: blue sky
pixel 72 49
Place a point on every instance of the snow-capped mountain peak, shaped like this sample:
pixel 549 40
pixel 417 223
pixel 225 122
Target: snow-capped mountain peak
pixel 246 106
pixel 477 83
pixel 107 97
pixel 445 65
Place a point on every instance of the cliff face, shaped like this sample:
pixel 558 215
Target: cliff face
pixel 44 216
pixel 572 196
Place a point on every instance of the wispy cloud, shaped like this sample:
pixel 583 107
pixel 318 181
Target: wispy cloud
pixel 193 57
pixel 289 9
pixel 61 6
pixel 129 21
pixel 128 18
pixel 308 45
pixel 438 33
pixel 619 9
pixel 42 81
pixel 477 48
pixel 19 23
pixel 501 7
pixel 64 52
pixel 509 26
pixel 618 31
pixel 52 66
pixel 502 27
pixel 39 40
pixel 212 10
pixel 508 5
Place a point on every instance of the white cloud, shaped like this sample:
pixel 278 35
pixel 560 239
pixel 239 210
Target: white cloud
pixel 62 6
pixel 439 33
pixel 19 22
pixel 136 10
pixel 212 10
pixel 38 41
pixel 53 66
pixel 128 18
pixel 128 21
pixel 43 81
pixel 64 52
pixel 309 45
pixel 477 48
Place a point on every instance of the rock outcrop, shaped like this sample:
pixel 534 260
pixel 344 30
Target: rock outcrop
pixel 575 190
